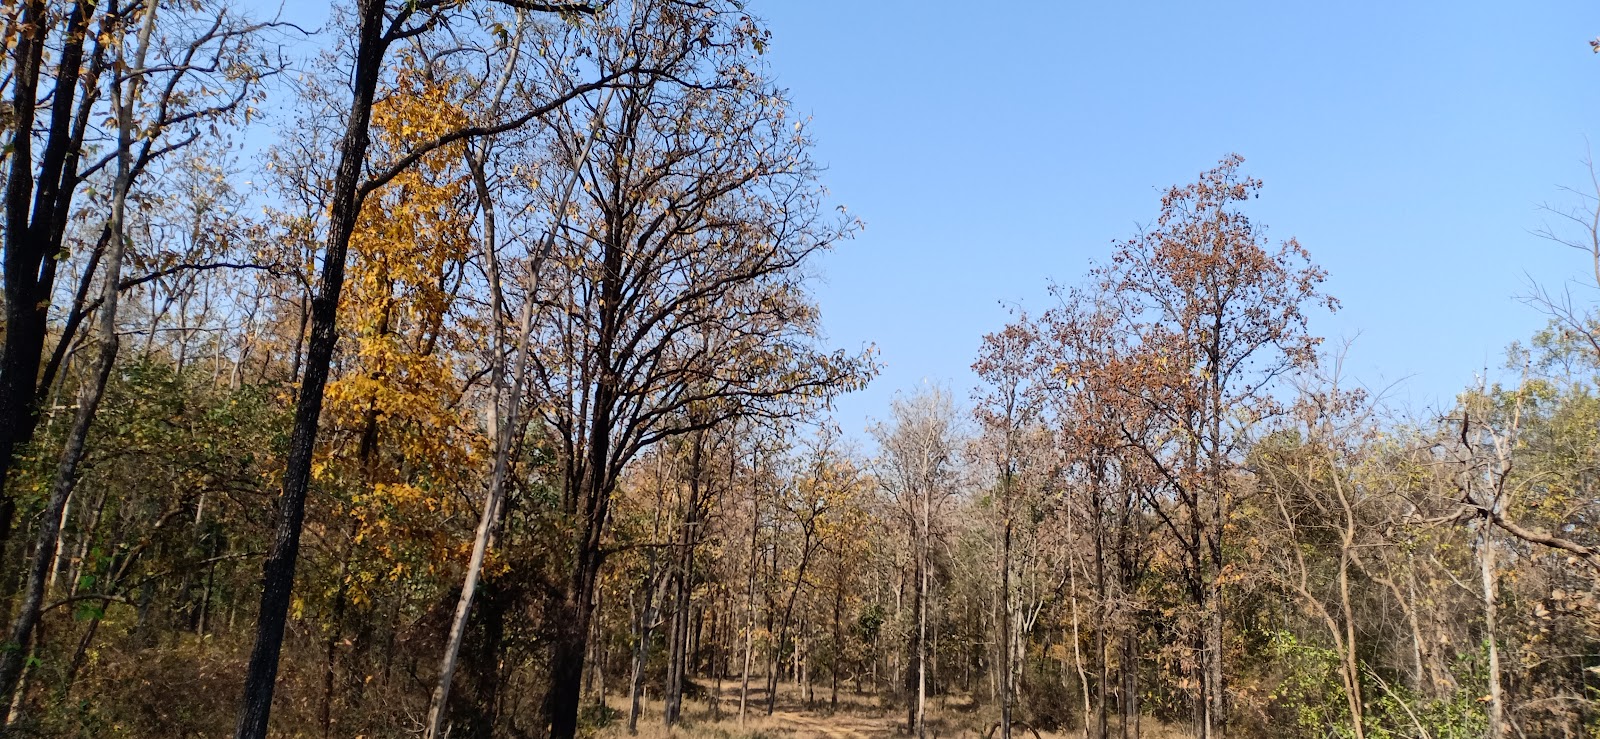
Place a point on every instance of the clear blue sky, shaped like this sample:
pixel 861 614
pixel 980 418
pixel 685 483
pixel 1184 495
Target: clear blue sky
pixel 1407 145
pixel 992 148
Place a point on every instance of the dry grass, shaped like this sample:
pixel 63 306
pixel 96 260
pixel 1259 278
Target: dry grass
pixel 858 716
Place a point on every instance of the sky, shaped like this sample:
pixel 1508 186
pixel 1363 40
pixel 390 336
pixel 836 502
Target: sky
pixel 1408 146
pixel 990 153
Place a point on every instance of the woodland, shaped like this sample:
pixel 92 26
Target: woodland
pixel 489 399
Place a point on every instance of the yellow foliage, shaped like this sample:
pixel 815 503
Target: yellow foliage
pixel 403 446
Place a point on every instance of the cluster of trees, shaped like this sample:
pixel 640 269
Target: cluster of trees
pixel 290 442
pixel 1165 509
pixel 493 388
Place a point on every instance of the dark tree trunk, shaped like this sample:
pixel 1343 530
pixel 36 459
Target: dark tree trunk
pixel 569 641
pixel 32 239
pixel 478 716
pixel 678 653
pixel 278 571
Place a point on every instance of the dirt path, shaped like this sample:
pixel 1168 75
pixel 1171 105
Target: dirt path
pixel 858 717
pixel 838 726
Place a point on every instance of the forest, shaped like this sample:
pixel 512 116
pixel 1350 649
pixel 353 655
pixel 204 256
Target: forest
pixel 466 378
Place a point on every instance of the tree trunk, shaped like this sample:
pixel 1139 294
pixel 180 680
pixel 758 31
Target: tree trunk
pixel 788 612
pixel 32 239
pixel 750 597
pixel 678 653
pixel 1103 670
pixel 1005 625
pixel 641 651
pixel 570 642
pixel 279 568
pixel 838 645
pixel 1486 570
pixel 920 707
pixel 39 567
pixel 1130 684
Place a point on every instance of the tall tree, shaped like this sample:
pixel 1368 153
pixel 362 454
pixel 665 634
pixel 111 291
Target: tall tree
pixel 916 466
pixel 700 211
pixel 378 26
pixel 205 71
pixel 1216 315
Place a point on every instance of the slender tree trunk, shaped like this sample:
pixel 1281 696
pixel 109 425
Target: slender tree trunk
pixel 1005 625
pixel 57 557
pixel 1486 570
pixel 1102 668
pixel 678 653
pixel 1351 658
pixel 641 652
pixel 331 648
pixel 1130 684
pixel 838 644
pixel 750 597
pixel 1077 660
pixel 12 659
pixel 646 618
pixel 788 611
pixel 279 569
pixel 677 642
pixel 32 239
pixel 921 707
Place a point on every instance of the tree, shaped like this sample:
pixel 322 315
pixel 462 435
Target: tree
pixel 377 28
pixel 699 214
pixel 1215 316
pixel 916 466
pixel 206 68
pixel 1312 482
pixel 172 118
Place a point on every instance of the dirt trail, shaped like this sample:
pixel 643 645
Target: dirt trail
pixel 857 717
pixel 838 726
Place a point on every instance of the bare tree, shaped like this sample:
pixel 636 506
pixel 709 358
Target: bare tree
pixel 916 466
pixel 699 214
pixel 378 26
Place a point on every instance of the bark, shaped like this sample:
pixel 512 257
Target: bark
pixel 589 484
pixel 678 655
pixel 750 599
pixel 1351 659
pixel 569 644
pixel 279 569
pixel 1486 570
pixel 1005 624
pixel 1103 676
pixel 644 625
pixel 1130 685
pixel 919 707
pixel 36 214
pixel 838 644
pixel 39 567
pixel 1077 651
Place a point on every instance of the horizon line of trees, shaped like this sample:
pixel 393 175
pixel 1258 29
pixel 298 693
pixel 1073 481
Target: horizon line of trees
pixel 491 401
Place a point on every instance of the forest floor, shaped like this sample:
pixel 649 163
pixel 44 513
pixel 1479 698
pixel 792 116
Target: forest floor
pixel 857 716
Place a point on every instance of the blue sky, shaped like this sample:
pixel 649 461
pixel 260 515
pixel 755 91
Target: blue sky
pixel 1408 149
